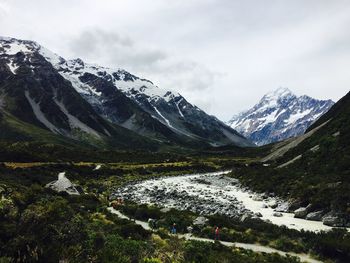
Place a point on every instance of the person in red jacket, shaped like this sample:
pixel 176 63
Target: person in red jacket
pixel 216 233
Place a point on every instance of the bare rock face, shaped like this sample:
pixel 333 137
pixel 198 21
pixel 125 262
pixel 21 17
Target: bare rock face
pixel 63 184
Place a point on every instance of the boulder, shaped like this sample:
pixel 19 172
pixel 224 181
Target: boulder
pixel 165 210
pixel 333 219
pixel 258 214
pixel 264 195
pixel 282 207
pixel 277 214
pixel 294 204
pixel 63 184
pixel 272 204
pixel 257 198
pixel 301 212
pixel 245 217
pixel 315 216
pixel 200 221
pixel 189 229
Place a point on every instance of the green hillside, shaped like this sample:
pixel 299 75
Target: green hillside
pixel 316 171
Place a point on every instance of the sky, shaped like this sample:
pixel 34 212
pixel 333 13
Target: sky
pixel 221 55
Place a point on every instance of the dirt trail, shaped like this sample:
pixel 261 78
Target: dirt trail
pixel 253 247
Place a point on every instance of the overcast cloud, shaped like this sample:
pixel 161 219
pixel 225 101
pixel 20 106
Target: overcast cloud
pixel 222 55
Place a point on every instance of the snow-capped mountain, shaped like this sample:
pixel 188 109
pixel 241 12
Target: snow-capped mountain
pixel 114 95
pixel 279 115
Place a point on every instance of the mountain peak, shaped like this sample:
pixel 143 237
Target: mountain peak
pixel 277 94
pixel 274 98
pixel 280 92
pixel 280 114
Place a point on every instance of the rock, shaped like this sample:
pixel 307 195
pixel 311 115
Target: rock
pixel 165 210
pixel 301 212
pixel 257 198
pixel 244 217
pixel 264 206
pixel 98 167
pixel 200 221
pixel 258 214
pixel 282 207
pixel 333 219
pixel 189 229
pixel 63 184
pixel 316 216
pixel 294 204
pixel 272 204
pixel 336 134
pixel 334 185
pixel 79 189
pixel 264 196
pixel 277 214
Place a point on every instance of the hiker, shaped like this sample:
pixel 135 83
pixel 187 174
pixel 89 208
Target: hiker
pixel 152 223
pixel 216 233
pixel 173 229
pixel 117 203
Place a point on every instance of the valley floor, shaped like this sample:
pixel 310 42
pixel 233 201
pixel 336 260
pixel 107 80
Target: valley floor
pixel 42 225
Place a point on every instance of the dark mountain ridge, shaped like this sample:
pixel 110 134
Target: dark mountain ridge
pixel 99 105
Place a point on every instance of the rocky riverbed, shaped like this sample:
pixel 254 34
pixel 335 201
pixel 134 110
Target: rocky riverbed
pixel 212 193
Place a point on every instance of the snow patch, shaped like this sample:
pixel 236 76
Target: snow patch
pixel 178 108
pixel 297 116
pixel 165 119
pixel 14 48
pixel 13 67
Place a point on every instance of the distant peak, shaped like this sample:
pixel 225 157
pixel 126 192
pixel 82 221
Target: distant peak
pixel 280 92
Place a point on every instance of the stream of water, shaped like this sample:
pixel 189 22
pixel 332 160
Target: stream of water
pixel 211 193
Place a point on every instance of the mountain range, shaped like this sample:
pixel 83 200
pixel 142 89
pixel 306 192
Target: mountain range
pixel 279 115
pixel 43 95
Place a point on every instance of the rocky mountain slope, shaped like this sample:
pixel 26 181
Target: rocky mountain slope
pixel 279 115
pixel 83 101
pixel 312 170
pixel 36 101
